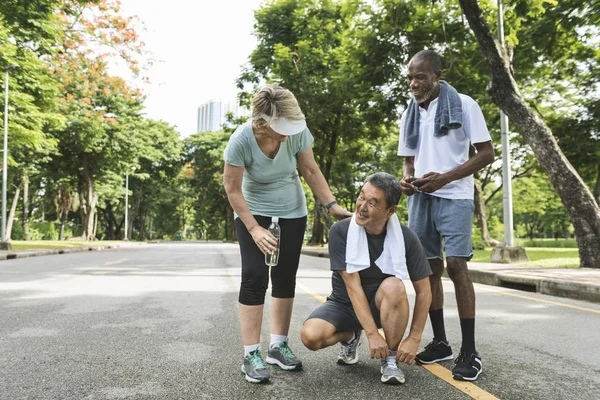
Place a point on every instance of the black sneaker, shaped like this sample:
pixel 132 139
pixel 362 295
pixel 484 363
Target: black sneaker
pixel 435 351
pixel 468 366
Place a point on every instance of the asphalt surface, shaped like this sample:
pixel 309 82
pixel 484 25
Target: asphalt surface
pixel 160 322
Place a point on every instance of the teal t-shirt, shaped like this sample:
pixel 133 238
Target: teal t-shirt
pixel 271 187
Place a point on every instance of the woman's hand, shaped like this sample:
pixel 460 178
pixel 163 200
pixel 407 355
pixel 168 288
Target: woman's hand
pixel 263 239
pixel 339 212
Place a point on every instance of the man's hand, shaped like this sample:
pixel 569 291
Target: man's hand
pixel 407 187
pixel 408 350
pixel 430 182
pixel 377 345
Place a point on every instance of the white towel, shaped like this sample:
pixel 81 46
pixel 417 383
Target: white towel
pixel 393 258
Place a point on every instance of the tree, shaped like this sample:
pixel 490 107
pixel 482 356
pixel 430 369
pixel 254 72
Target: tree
pixel 100 140
pixel 204 175
pixel 579 202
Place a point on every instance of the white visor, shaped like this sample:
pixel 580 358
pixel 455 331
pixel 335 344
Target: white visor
pixel 287 127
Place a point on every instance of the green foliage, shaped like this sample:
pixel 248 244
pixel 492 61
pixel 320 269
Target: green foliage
pixel 206 204
pixel 478 243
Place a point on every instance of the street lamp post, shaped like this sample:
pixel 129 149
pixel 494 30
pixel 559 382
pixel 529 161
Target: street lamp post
pixel 508 252
pixel 126 236
pixel 5 245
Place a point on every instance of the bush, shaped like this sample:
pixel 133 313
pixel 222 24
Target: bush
pixel 43 231
pixel 478 243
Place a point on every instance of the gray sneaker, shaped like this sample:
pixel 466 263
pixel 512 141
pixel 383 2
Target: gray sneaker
pixel 348 354
pixel 283 356
pixel 254 368
pixel 390 373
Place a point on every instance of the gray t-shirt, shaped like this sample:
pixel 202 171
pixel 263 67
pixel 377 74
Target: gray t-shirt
pixel 271 187
pixel 370 278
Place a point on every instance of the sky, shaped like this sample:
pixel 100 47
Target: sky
pixel 200 46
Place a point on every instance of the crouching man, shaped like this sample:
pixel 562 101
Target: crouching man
pixel 371 253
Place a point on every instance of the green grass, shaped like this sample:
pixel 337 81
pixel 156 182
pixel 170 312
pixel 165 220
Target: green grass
pixel 567 243
pixel 56 244
pixel 540 257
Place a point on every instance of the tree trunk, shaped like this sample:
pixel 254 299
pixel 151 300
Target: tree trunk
pixel 63 219
pixel 577 199
pixel 110 221
pixel 317 236
pixel 26 206
pixel 319 231
pixel 11 213
pixel 64 201
pixel 597 188
pixel 88 199
pixel 481 216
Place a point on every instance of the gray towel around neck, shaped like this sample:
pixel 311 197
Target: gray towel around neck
pixel 447 116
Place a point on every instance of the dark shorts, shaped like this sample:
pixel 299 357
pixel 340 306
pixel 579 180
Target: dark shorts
pixel 342 315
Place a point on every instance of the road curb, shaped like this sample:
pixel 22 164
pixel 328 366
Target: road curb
pixel 12 255
pixel 513 280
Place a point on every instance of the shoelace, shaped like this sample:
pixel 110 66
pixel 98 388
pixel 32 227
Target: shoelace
pixel 432 345
pixel 345 350
pixel 257 360
pixel 462 358
pixel 285 350
pixel 391 363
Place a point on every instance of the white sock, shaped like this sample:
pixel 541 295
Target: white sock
pixel 276 339
pixel 352 339
pixel 391 357
pixel 250 349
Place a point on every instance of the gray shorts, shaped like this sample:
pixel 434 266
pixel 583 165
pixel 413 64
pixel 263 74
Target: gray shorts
pixel 342 315
pixel 435 219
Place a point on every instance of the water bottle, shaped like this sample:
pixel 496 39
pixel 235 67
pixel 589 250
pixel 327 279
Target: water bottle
pixel 272 259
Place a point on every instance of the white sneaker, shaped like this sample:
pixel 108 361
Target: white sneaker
pixel 348 354
pixel 390 373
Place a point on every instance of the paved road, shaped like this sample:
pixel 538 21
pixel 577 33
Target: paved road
pixel 159 322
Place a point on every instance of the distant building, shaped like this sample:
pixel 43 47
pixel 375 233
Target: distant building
pixel 211 115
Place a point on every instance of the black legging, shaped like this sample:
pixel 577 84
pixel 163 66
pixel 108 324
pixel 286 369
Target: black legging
pixel 255 273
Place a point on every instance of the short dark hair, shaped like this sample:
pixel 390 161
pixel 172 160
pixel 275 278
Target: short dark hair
pixel 433 59
pixel 389 184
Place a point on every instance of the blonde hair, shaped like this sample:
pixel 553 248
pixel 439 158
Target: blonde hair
pixel 273 101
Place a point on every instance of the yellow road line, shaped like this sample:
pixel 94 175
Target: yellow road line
pixel 310 292
pixel 468 388
pixel 554 303
pixel 443 373
pixel 106 264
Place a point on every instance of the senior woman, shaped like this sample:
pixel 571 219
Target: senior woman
pixel 261 182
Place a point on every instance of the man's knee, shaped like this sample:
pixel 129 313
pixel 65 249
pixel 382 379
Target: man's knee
pixel 437 268
pixel 313 334
pixel 457 268
pixel 392 290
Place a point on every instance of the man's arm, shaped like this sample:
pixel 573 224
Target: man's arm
pixel 408 347
pixel 377 344
pixel 432 181
pixel 408 171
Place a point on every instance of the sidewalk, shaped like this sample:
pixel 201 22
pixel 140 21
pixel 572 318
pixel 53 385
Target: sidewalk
pixel 13 254
pixel 572 283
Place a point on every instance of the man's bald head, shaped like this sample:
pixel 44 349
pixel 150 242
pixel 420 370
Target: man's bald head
pixel 429 58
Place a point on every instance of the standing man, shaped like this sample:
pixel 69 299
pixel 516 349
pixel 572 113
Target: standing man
pixel 370 254
pixel 436 132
